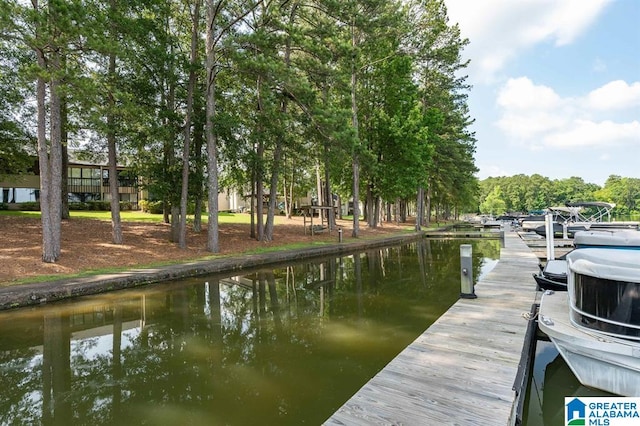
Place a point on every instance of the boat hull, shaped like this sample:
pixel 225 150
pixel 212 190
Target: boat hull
pixel 545 283
pixel 553 276
pixel 598 361
pixel 573 228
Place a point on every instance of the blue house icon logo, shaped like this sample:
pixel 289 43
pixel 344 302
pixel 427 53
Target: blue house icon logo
pixel 575 412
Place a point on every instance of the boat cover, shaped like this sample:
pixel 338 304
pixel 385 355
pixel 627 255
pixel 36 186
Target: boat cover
pixel 617 238
pixel 556 269
pixel 606 263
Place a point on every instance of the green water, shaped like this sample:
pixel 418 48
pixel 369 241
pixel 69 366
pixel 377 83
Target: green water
pixel 551 381
pixel 284 346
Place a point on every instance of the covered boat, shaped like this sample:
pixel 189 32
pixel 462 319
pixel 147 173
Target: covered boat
pixel 604 290
pixel 612 238
pixel 553 276
pixel 595 325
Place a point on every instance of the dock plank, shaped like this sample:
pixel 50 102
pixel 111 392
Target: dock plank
pixel 461 370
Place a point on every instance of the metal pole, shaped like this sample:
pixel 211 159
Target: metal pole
pixel 548 224
pixel 466 272
pixel 339 235
pixel 503 228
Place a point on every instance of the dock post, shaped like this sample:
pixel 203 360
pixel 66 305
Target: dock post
pixel 548 224
pixel 466 272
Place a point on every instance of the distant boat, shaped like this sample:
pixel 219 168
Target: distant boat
pixel 584 216
pixel 595 325
pixel 488 221
pixel 531 222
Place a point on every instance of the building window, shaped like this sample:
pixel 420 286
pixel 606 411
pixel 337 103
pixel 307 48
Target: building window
pixel 84 177
pixel 19 195
pixel 125 179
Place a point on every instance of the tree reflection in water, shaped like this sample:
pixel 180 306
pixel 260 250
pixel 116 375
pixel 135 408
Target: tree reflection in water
pixel 286 345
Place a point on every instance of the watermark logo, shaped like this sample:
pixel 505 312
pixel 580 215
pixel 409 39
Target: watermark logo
pixel 601 411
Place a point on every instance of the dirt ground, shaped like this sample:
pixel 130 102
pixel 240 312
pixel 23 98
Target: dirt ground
pixel 86 244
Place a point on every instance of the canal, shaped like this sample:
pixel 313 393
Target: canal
pixel 278 346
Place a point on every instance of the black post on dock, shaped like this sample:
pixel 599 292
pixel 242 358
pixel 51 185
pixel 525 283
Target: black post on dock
pixel 466 272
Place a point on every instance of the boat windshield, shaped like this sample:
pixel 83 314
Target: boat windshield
pixel 608 306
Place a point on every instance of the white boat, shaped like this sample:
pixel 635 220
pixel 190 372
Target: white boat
pixel 553 276
pixel 584 216
pixel 531 222
pixel 613 238
pixel 595 325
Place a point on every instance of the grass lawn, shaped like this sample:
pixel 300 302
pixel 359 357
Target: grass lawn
pixel 135 216
pixel 139 216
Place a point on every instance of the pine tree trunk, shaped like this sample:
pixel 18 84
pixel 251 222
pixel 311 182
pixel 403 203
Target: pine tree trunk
pixel 253 203
pixel 285 195
pixel 184 192
pixel 355 164
pixel 49 154
pixel 49 254
pixel 259 170
pixel 260 194
pixel 175 223
pixel 428 204
pixel 64 183
pixel 273 194
pixel 213 244
pixel 116 225
pixel 331 217
pixel 197 214
pixel 198 137
pixel 419 208
pixel 64 179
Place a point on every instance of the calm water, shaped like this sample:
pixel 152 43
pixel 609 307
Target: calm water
pixel 551 381
pixel 285 346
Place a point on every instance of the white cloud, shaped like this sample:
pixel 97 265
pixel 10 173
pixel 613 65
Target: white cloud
pixel 491 62
pixel 528 109
pixel 500 29
pixel 568 19
pixel 521 93
pixel 487 170
pixel 584 133
pixel 536 116
pixel 526 127
pixel 615 95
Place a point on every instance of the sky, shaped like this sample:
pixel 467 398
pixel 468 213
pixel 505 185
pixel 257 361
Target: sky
pixel 555 86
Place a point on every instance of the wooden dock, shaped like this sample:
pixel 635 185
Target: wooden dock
pixel 463 234
pixel 538 245
pixel 462 369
